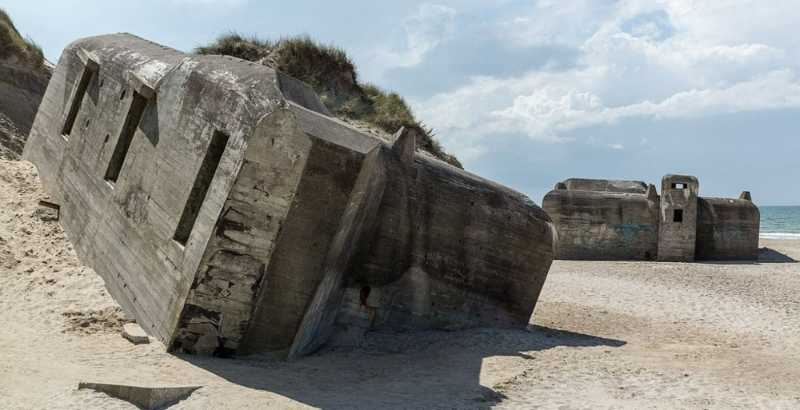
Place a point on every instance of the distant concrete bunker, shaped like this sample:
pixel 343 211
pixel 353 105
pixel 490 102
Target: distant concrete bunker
pixel 230 214
pixel 628 220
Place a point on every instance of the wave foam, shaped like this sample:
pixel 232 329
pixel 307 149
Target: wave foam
pixel 779 235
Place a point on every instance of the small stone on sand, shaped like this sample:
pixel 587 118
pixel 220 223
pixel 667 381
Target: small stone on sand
pixel 135 334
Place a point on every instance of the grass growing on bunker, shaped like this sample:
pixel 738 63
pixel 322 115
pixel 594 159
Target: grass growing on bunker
pixel 333 76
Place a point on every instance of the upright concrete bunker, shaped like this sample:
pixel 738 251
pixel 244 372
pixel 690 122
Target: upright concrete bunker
pixel 677 231
pixel 229 213
pixel 628 220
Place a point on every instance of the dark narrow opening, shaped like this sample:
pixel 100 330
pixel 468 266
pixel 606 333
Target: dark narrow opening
pixel 77 99
pixel 201 184
pixel 677 215
pixel 365 291
pixel 678 185
pixel 138 103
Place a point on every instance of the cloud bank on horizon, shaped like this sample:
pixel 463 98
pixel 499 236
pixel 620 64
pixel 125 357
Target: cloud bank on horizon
pixel 659 60
pixel 605 64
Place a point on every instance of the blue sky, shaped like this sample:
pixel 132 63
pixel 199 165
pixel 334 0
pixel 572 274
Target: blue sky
pixel 532 92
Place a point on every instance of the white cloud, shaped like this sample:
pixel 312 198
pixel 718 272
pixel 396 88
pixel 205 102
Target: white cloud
pixel 546 112
pixel 554 22
pixel 660 60
pixel 424 31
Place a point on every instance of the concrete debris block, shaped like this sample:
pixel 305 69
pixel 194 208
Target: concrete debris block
pixel 135 334
pixel 228 211
pixel 629 220
pixel 147 398
pixel 48 211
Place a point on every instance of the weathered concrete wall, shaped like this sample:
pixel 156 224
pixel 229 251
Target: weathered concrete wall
pixel 678 224
pixel 613 220
pixel 605 185
pixel 297 266
pixel 125 228
pixel 122 230
pixel 228 214
pixel 602 225
pixel 318 324
pixel 222 300
pixel 450 249
pixel 727 229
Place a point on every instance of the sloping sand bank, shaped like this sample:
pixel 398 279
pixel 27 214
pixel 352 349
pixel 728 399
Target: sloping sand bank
pixel 605 334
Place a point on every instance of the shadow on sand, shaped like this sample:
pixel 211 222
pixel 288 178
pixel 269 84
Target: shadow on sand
pixel 769 255
pixel 407 370
pixel 765 255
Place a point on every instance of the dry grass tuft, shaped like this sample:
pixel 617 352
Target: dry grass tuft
pixel 12 44
pixel 333 76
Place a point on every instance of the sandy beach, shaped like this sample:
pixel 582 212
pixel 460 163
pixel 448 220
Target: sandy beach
pixel 604 335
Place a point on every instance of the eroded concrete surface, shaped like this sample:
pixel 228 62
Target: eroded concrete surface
pixel 229 214
pixel 628 220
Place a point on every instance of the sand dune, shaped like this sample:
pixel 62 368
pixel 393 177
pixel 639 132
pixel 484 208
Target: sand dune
pixel 605 334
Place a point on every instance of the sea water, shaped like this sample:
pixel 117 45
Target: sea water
pixel 780 222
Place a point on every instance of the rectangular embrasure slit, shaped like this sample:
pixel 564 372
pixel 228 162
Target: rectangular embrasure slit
pixel 77 99
pixel 201 185
pixel 135 111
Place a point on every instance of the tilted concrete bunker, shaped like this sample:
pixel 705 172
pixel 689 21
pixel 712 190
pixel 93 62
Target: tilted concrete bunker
pixel 229 213
pixel 628 220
